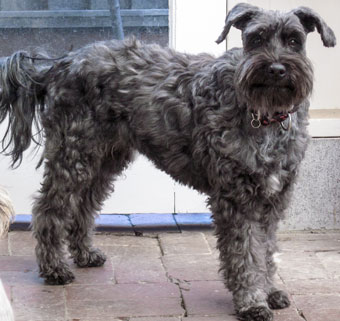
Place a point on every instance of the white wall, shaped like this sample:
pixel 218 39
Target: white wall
pixel 196 24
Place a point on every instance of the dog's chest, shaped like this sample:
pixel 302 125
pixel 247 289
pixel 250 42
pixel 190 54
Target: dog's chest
pixel 263 163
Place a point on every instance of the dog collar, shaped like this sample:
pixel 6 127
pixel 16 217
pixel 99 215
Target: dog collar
pixel 258 120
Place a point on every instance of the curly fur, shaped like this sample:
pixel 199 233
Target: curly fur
pixel 6 212
pixel 191 115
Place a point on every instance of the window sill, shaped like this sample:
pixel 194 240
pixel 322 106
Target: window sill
pixel 324 122
pixel 137 223
pixel 82 18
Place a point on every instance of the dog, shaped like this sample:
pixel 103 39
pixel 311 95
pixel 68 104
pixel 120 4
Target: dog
pixel 232 127
pixel 6 216
pixel 6 212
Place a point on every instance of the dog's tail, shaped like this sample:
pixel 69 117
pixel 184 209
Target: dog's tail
pixel 6 212
pixel 21 98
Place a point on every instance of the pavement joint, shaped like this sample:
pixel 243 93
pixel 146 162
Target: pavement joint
pixel 207 242
pixel 183 305
pixel 160 247
pixel 300 312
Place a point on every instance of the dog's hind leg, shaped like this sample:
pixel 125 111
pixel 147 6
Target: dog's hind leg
pixel 80 231
pixel 76 180
pixel 51 216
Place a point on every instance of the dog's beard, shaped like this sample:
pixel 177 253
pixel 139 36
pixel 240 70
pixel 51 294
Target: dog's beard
pixel 269 96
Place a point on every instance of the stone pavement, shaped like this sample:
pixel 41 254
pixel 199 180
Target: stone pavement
pixel 168 277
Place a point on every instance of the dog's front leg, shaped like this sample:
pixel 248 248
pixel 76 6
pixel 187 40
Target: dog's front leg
pixel 243 247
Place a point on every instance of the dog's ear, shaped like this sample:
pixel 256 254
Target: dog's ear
pixel 311 20
pixel 238 17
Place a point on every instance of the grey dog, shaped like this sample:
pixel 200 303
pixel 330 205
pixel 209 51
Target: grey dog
pixel 232 127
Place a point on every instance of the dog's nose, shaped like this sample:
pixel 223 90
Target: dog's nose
pixel 277 70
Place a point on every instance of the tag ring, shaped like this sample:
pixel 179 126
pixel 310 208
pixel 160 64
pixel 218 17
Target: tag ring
pixel 289 123
pixel 255 122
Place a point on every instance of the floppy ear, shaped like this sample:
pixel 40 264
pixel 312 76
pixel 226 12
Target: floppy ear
pixel 238 17
pixel 311 20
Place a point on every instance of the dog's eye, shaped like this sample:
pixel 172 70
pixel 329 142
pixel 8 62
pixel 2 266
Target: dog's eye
pixel 293 42
pixel 257 40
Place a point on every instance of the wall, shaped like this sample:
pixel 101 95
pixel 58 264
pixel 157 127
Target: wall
pixel 194 28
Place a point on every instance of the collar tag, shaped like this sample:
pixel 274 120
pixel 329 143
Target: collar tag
pixel 256 121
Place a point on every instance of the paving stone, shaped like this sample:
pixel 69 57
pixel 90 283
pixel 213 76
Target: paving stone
pixel 211 318
pixel 4 246
pixel 192 267
pixel 317 302
pixel 289 314
pixel 124 240
pixel 126 246
pixel 156 319
pixel 38 303
pixel 18 263
pixel 19 270
pixel 21 278
pixel 322 315
pixel 314 245
pixel 134 270
pixel 34 319
pixel 211 239
pixel 309 267
pixel 207 298
pixel 123 300
pixel 184 243
pixel 313 286
pixel 22 243
pixel 331 262
pixel 93 275
pixel 107 318
pixel 301 266
pixel 129 251
pixel 308 236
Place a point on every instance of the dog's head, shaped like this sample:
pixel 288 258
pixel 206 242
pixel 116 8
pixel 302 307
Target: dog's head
pixel 275 75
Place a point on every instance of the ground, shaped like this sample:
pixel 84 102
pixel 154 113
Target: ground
pixel 168 277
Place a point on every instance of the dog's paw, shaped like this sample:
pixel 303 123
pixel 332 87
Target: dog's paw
pixel 93 258
pixel 59 276
pixel 260 313
pixel 278 300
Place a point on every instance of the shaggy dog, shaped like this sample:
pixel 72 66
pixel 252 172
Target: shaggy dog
pixel 232 127
pixel 6 211
pixel 6 214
